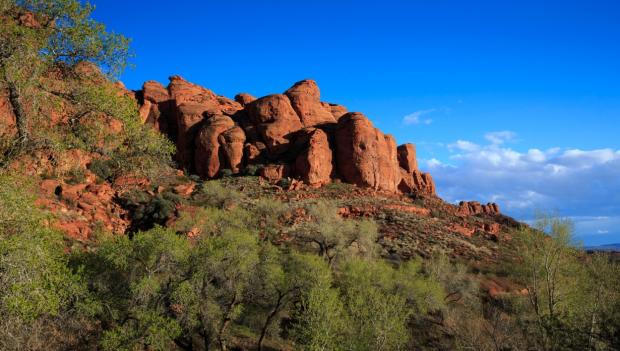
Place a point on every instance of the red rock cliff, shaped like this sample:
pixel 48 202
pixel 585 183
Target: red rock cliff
pixel 313 141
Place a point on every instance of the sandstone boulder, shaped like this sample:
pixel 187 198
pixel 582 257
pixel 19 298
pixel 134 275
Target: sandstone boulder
pixel 207 144
pixel 407 157
pixel 7 120
pixel 232 143
pixel 314 164
pixel 182 91
pixel 254 152
pixel 472 208
pixel 244 99
pixel 188 116
pixel 275 120
pixel 274 173
pixel 156 108
pixel 364 155
pixel 423 182
pixel 336 110
pixel 305 98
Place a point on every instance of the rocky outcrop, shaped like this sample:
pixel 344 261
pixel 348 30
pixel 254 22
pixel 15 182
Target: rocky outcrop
pixel 244 99
pixel 472 208
pixel 275 120
pixel 207 149
pixel 156 108
pixel 314 163
pixel 305 99
pixel 293 134
pixel 336 110
pixel 407 158
pixel 232 144
pixel 365 156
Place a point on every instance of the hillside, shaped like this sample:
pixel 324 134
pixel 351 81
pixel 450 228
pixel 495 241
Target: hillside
pixel 173 218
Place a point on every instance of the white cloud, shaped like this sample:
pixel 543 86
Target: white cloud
pixel 416 117
pixel 574 182
pixel 433 162
pixel 498 138
pixel 464 145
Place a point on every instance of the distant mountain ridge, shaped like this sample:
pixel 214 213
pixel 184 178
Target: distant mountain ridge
pixel 606 247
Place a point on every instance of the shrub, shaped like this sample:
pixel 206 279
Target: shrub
pixel 148 211
pixel 104 169
pixel 214 194
pixel 253 170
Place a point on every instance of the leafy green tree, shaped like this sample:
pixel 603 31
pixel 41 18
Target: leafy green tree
pixel 40 295
pixel 381 300
pixel 549 268
pixel 335 237
pixel 63 34
pixel 281 280
pixel 321 320
pixel 223 261
pixel 134 279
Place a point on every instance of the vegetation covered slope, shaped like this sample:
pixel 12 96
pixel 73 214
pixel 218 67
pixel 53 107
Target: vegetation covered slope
pixel 104 245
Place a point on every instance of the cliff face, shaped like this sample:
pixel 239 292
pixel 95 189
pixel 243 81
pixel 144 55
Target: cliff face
pixel 293 134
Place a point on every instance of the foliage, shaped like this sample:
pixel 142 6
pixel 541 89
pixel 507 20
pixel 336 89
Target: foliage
pixel 38 290
pixel 566 299
pixel 214 194
pixel 333 236
pixel 149 210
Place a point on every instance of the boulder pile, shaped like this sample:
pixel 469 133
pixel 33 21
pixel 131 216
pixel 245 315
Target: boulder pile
pixel 293 134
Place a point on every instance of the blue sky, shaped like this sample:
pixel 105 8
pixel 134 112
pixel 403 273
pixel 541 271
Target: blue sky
pixel 513 101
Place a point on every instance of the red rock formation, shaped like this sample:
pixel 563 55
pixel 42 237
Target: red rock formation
pixel 275 120
pixel 244 99
pixel 280 129
pixel 407 158
pixel 423 182
pixel 472 208
pixel 7 120
pixel 314 164
pixel 232 143
pixel 305 99
pixel 364 155
pixel 156 108
pixel 207 154
pixel 336 110
pixel 274 173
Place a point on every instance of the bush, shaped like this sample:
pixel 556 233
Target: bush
pixel 148 211
pixel 104 169
pixel 253 170
pixel 226 173
pixel 214 194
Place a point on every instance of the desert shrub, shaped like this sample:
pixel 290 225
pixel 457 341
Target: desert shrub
pixel 103 169
pixel 253 170
pixel 226 173
pixel 334 237
pixel 148 211
pixel 285 183
pixel 215 194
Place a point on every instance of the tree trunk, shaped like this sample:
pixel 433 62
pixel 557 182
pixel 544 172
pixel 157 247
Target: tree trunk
pixel 225 323
pixel 18 111
pixel 270 317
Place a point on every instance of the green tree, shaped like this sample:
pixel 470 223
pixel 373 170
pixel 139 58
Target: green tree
pixel 63 35
pixel 223 261
pixel 549 268
pixel 134 279
pixel 321 320
pixel 335 237
pixel 380 301
pixel 40 296
pixel 281 280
